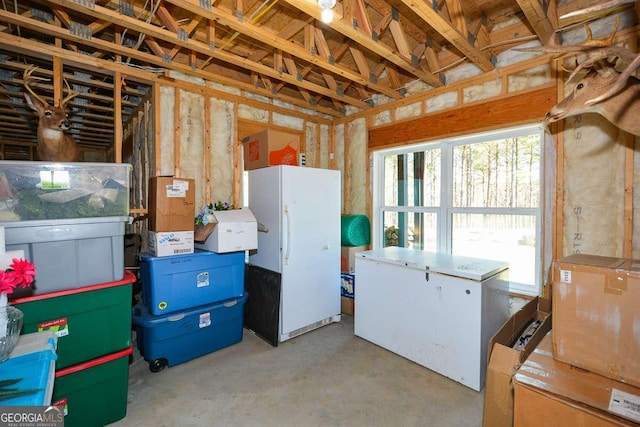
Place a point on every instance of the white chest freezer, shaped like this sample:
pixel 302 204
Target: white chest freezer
pixel 438 310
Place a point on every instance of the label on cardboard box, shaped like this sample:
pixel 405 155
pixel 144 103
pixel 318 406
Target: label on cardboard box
pixel 625 404
pixel 565 276
pixel 348 285
pixel 170 243
pixel 178 188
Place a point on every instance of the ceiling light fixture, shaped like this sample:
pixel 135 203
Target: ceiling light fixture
pixel 326 15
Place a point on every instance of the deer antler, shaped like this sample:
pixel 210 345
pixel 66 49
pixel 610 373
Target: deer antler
pixel 588 45
pixel 28 78
pixel 596 51
pixel 597 8
pixel 619 84
pixel 71 95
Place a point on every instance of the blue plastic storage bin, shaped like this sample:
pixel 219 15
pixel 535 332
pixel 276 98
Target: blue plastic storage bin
pixel 179 337
pixel 179 282
pixel 31 365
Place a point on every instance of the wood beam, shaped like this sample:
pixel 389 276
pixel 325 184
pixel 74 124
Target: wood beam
pixel 168 36
pixel 20 45
pixel 456 16
pixel 275 41
pixel 510 110
pixel 542 25
pixel 399 39
pixel 359 37
pixel 442 26
pixel 362 19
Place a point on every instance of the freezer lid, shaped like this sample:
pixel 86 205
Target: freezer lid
pixel 452 265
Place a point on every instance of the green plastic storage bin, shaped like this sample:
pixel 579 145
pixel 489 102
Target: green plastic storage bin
pixel 90 322
pixel 94 393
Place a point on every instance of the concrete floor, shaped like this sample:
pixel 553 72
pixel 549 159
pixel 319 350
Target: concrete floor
pixel 326 377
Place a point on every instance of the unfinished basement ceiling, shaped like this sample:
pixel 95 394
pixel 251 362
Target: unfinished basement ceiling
pixel 279 49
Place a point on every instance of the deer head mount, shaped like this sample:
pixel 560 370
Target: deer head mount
pixel 603 90
pixel 54 143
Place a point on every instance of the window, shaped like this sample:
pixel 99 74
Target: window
pixel 479 196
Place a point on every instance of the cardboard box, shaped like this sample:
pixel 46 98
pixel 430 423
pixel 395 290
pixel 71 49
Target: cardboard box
pixel 171 203
pixel 235 230
pixel 348 259
pixel 596 315
pixel 551 393
pixel 347 306
pixel 504 360
pixel 168 243
pixel 270 148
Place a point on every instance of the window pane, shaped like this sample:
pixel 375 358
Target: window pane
pixel 500 174
pixel 509 238
pixel 416 230
pixel 412 179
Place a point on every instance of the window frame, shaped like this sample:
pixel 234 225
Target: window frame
pixel 446 210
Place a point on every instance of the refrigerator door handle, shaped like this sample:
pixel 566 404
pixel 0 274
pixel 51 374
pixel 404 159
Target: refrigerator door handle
pixel 288 251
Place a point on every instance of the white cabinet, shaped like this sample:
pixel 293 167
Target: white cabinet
pixel 437 310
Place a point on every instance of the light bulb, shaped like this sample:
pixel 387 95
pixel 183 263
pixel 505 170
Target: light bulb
pixel 326 16
pixel 326 4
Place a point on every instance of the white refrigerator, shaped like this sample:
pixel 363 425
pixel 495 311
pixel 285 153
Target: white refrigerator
pixel 293 278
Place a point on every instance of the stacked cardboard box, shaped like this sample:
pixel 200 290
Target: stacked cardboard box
pixel 586 371
pixel 596 319
pixel 171 216
pixel 552 393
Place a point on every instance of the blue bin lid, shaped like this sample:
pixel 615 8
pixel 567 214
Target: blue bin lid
pixel 141 316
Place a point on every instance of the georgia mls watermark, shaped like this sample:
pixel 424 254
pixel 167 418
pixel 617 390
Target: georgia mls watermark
pixel 31 416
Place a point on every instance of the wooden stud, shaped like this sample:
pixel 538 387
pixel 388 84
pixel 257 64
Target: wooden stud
pixel 117 117
pixel 207 148
pixel 177 134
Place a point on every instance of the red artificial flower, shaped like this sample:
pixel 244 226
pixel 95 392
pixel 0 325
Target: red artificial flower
pixel 25 271
pixel 8 281
pixel 20 274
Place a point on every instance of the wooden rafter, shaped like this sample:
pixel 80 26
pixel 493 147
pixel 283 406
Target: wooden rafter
pixel 400 39
pixel 280 49
pixel 366 41
pixel 219 54
pixel 446 29
pixel 539 20
pixel 277 42
pixel 456 16
pixel 16 43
